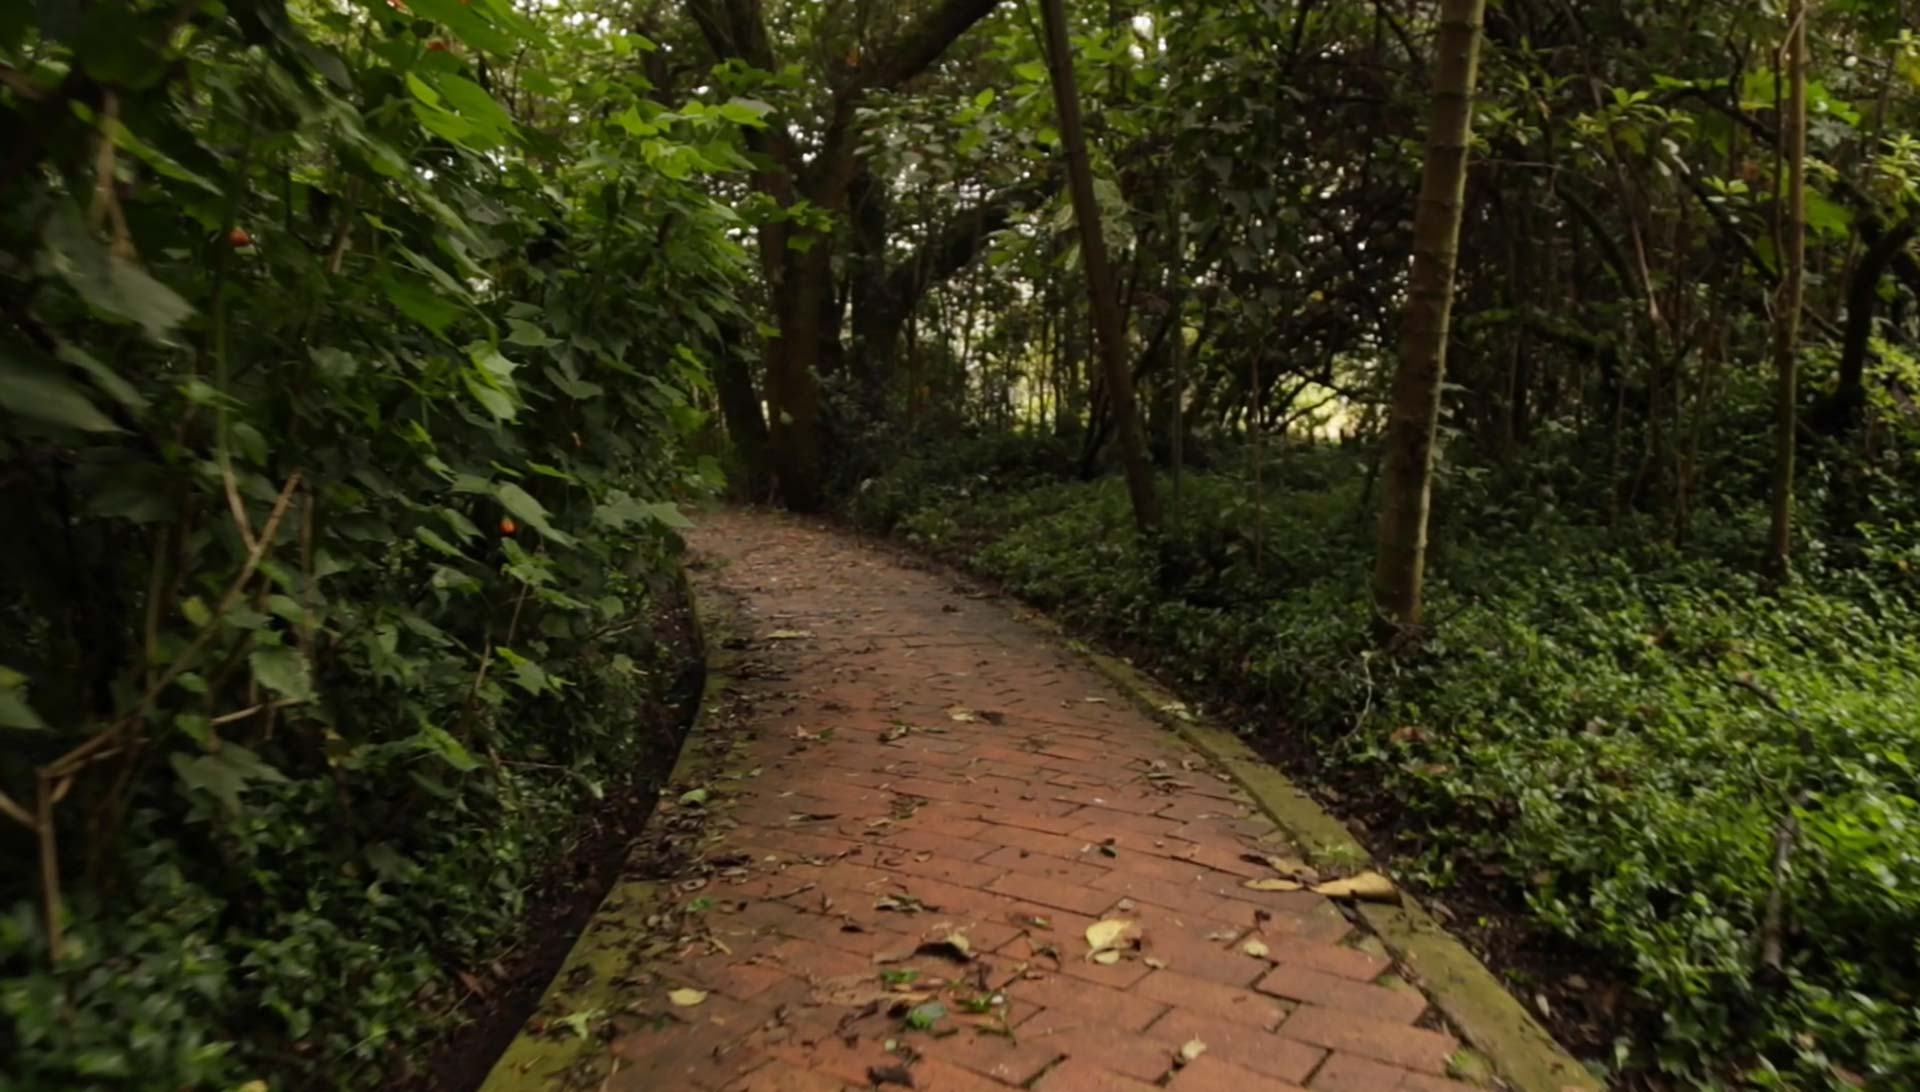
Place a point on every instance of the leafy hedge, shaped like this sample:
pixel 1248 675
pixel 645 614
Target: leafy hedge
pixel 1617 726
pixel 352 360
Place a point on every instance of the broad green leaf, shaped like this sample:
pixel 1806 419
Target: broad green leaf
pixel 110 284
pixel 419 303
pixel 452 751
pixel 226 773
pixel 40 394
pixel 15 712
pixel 529 511
pixel 432 538
pixel 526 333
pixel 496 401
pixel 283 671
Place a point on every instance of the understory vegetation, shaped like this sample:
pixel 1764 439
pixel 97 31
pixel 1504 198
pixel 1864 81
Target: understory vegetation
pixel 1604 730
pixel 344 412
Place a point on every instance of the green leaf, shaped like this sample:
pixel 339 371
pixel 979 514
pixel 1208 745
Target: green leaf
pixel 436 741
pixel 419 303
pixel 494 400
pixel 283 671
pixel 529 511
pixel 226 773
pixel 924 1017
pixel 433 539
pixel 1828 217
pixel 42 395
pixel 526 333
pixel 748 112
pixel 109 283
pixel 14 710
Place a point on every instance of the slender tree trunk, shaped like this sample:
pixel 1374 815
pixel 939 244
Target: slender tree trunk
pixel 1399 570
pixel 1100 287
pixel 746 425
pixel 1793 134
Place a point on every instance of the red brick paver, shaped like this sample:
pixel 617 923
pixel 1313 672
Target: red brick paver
pixel 910 762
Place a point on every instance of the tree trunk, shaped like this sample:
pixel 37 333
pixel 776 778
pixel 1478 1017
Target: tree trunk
pixel 746 425
pixel 1100 287
pixel 1786 348
pixel 793 380
pixel 1399 570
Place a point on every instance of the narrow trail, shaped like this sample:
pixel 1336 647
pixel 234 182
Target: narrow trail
pixel 919 764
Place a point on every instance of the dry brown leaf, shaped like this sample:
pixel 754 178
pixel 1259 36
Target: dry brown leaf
pixel 1189 1050
pixel 952 946
pixel 1366 887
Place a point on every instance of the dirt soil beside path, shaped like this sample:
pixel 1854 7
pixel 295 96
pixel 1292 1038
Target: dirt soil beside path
pixel 947 855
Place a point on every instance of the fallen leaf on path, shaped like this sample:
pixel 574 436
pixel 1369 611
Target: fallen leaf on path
pixel 1111 933
pixel 1255 948
pixel 952 946
pixel 1106 957
pixel 687 998
pixel 924 1017
pixel 581 1022
pixel 890 1074
pixel 1189 1050
pixel 789 635
pixel 962 714
pixel 1155 962
pixel 693 797
pixel 1366 887
pixel 1271 884
pixel 900 904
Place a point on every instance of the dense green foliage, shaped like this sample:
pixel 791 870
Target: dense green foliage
pixel 353 357
pixel 1589 722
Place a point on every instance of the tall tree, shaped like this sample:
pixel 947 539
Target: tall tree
pixel 1400 562
pixel 1100 286
pixel 815 174
pixel 1793 229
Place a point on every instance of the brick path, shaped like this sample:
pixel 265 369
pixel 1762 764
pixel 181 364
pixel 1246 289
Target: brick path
pixel 919 763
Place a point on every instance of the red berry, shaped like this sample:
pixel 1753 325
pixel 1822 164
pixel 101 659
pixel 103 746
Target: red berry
pixel 239 238
pixel 436 46
pixel 508 527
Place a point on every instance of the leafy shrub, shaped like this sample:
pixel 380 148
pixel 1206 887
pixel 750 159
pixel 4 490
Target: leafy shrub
pixel 340 498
